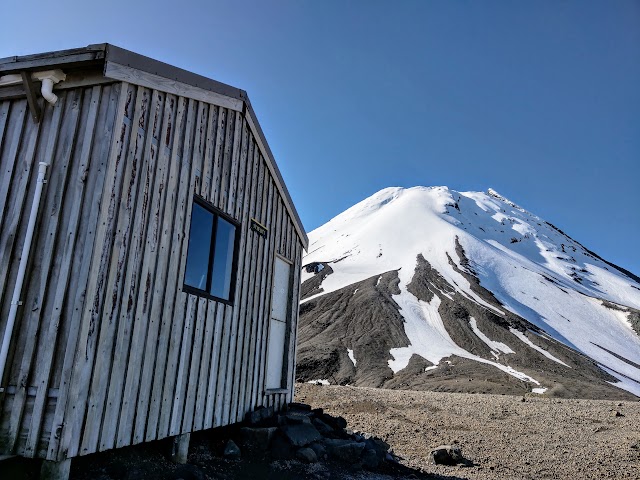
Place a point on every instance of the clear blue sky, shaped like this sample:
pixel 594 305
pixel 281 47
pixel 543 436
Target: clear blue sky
pixel 539 100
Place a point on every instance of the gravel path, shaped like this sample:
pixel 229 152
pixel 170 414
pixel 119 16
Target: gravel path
pixel 505 437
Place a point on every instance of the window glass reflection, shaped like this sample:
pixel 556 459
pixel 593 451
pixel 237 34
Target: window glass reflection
pixel 223 259
pixel 199 248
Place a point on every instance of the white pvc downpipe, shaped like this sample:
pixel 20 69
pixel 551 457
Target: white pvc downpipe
pixel 49 78
pixel 24 259
pixel 47 91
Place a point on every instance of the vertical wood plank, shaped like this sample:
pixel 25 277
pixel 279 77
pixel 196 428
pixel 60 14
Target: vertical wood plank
pixel 209 153
pixel 127 365
pixel 207 307
pixel 221 313
pixel 164 291
pixel 182 364
pixel 90 323
pixel 212 384
pixel 242 309
pixel 101 396
pixel 226 162
pixel 216 181
pixel 185 414
pixel 59 150
pixel 242 287
pixel 139 211
pixel 223 362
pixel 10 147
pixel 181 316
pixel 9 220
pixel 5 105
pixel 210 327
pixel 104 153
pixel 180 360
pixel 29 315
pixel 194 350
pixel 281 231
pixel 255 308
pixel 238 133
pixel 67 252
pixel 14 226
pixel 243 181
pixel 154 269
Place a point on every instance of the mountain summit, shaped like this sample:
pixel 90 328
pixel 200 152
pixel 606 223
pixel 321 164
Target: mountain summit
pixel 428 288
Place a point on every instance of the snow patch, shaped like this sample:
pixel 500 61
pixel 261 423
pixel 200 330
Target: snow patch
pixel 429 338
pixel 353 359
pixel 539 391
pixel 319 382
pixel 526 340
pixel 493 345
pixel 629 384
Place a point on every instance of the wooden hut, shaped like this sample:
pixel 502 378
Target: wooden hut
pixel 149 255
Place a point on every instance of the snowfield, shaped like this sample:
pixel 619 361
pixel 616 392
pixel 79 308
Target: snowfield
pixel 533 269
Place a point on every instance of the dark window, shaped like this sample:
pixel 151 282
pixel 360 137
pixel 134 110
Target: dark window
pixel 212 253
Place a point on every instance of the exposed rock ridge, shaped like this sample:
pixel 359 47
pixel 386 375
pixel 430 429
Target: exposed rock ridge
pixel 365 318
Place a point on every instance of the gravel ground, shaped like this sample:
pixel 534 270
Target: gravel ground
pixel 506 437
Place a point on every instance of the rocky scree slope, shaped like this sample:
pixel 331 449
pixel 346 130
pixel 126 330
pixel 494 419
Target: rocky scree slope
pixel 433 289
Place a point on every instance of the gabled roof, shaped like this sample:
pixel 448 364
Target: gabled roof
pixel 120 64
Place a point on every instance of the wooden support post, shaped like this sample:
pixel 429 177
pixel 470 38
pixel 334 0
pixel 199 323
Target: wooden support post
pixel 32 98
pixel 180 448
pixel 55 470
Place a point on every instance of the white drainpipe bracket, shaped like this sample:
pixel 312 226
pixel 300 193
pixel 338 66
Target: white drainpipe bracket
pixel 49 78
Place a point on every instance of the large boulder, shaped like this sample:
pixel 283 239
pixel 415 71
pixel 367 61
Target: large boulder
pixel 259 416
pixel 256 439
pixel 344 450
pixel 447 455
pixel 231 451
pixel 307 455
pixel 301 434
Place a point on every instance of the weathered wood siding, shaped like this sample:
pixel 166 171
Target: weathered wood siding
pixel 108 350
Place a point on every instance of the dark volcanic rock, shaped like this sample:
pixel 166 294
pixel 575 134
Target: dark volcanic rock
pixel 346 450
pixel 447 455
pixel 256 439
pixel 281 448
pixel 231 451
pixel 259 415
pixel 300 435
pixel 293 418
pixel 321 451
pixel 300 407
pixel 366 315
pixel 370 460
pixel 312 286
pixel 307 455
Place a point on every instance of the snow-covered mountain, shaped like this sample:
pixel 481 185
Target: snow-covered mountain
pixel 429 288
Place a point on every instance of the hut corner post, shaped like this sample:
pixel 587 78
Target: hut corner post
pixel 55 470
pixel 180 448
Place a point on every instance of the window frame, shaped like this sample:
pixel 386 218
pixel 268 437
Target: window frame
pixel 217 213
